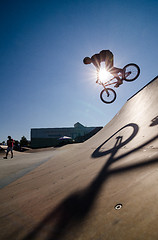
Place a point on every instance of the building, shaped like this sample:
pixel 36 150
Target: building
pixel 46 137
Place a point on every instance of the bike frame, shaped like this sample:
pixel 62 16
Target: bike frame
pixel 109 82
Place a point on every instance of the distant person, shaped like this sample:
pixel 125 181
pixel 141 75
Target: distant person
pixel 10 143
pixel 107 57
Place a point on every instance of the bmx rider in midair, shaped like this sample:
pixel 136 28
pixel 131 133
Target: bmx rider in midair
pixel 107 57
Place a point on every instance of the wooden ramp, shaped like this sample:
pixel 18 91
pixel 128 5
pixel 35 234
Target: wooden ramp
pixel 103 189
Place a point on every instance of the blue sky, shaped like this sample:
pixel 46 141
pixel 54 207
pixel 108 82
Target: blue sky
pixel 44 82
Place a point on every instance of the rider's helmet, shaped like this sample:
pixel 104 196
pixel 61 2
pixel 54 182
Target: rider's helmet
pixel 87 60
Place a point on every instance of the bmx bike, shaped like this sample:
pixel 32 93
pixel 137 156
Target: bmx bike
pixel 129 73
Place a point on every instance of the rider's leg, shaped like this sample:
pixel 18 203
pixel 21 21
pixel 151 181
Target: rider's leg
pixel 109 65
pixel 114 71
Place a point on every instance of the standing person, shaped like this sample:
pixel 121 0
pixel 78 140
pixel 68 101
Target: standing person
pixel 10 143
pixel 107 57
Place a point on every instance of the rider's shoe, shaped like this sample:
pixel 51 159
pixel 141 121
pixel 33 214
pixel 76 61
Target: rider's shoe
pixel 118 84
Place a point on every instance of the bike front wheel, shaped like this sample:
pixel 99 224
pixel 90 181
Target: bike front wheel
pixel 130 72
pixel 108 95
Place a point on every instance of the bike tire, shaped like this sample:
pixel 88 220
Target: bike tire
pixel 104 93
pixel 135 71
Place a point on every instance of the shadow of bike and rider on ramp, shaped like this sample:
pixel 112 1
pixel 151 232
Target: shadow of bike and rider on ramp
pixel 73 209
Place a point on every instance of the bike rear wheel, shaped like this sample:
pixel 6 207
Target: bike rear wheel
pixel 130 72
pixel 108 95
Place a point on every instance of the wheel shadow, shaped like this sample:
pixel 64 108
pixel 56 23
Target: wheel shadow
pixel 119 143
pixel 73 209
pixel 154 121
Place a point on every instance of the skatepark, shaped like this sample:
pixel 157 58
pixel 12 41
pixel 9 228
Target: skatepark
pixel 102 189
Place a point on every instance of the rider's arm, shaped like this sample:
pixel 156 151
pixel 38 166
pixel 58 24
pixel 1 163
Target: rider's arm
pixel 96 60
pixel 97 76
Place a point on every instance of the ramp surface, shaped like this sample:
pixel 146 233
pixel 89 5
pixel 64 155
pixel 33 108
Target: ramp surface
pixel 104 188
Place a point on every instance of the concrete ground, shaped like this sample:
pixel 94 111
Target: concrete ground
pixel 104 188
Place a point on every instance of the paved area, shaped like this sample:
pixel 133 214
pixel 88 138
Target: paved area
pixel 105 188
pixel 21 164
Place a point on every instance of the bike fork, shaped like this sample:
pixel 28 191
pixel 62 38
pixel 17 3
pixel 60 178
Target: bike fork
pixel 107 92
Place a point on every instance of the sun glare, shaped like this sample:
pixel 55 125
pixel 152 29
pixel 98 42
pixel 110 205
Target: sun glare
pixel 104 75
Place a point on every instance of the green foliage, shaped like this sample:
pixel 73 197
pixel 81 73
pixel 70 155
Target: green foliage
pixel 24 141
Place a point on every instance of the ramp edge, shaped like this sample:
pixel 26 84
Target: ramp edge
pixel 143 87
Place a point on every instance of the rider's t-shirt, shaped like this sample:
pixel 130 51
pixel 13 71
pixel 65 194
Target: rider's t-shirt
pixel 108 59
pixel 104 56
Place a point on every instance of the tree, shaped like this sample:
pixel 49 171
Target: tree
pixel 23 141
